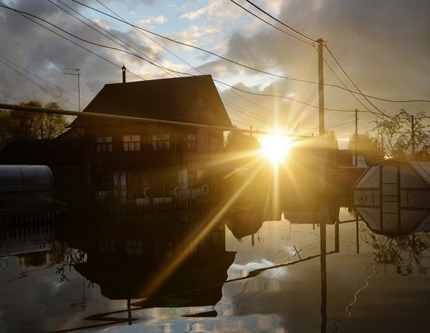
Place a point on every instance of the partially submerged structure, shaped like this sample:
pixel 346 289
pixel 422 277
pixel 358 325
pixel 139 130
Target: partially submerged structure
pixel 393 197
pixel 26 194
pixel 146 162
pixel 25 186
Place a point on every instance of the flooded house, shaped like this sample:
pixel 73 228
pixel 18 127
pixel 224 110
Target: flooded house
pixel 393 197
pixel 153 162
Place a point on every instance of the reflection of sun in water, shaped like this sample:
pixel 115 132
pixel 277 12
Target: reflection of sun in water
pixel 275 147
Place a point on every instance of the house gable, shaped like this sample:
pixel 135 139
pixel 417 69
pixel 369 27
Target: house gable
pixel 187 99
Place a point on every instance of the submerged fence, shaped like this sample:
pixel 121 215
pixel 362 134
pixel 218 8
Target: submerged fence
pixel 63 213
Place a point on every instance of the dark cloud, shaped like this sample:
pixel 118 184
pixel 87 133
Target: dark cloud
pixel 46 54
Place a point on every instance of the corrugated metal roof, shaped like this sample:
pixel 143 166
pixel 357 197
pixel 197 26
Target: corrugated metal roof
pixel 423 169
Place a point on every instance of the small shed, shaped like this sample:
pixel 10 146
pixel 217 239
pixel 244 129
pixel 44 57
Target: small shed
pixel 393 197
pixel 25 186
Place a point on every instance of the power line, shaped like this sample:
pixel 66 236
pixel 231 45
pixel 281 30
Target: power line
pixel 196 69
pixel 285 97
pixel 107 32
pixel 96 44
pixel 71 41
pixel 40 86
pixel 199 48
pixel 312 40
pixel 238 63
pixel 24 14
pixel 151 39
pixel 352 82
pixel 116 49
pixel 340 80
pixel 273 26
pixel 40 78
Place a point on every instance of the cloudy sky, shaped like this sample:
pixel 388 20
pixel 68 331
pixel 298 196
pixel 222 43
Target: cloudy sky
pixel 384 47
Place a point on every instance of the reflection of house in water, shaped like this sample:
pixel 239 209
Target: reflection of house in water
pixel 305 174
pixel 245 219
pixel 313 214
pixel 129 262
pixel 30 243
pixel 393 197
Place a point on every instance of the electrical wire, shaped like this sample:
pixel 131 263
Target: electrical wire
pixel 198 48
pixel 240 64
pixel 352 82
pixel 340 80
pixel 152 60
pixel 280 22
pixel 40 78
pixel 40 86
pixel 108 34
pixel 24 14
pixel 184 61
pixel 273 26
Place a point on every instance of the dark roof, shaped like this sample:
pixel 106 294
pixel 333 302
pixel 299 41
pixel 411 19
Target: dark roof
pixel 192 99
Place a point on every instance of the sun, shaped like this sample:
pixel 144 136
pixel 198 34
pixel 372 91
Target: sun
pixel 275 147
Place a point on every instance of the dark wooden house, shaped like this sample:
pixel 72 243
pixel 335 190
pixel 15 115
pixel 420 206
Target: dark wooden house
pixel 143 162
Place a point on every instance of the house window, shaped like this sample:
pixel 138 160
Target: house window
pixel 131 142
pixel 107 245
pixel 214 145
pixel 192 142
pixel 163 249
pixel 134 247
pixel 104 144
pixel 161 142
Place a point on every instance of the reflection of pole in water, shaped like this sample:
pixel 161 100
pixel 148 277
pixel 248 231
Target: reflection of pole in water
pixel 129 311
pixel 323 271
pixel 336 236
pixel 357 239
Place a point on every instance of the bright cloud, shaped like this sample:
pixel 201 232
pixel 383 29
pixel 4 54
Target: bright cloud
pixel 150 21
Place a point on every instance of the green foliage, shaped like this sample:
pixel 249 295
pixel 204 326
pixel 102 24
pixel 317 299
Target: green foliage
pixel 24 125
pixel 239 142
pixel 367 146
pixel 399 138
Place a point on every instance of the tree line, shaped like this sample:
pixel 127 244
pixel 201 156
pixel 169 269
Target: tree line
pixel 24 125
pixel 402 137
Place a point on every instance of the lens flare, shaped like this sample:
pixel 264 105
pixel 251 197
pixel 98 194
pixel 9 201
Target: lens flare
pixel 275 147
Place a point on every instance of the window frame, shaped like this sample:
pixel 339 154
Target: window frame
pixel 133 144
pixel 192 141
pixel 104 144
pixel 161 142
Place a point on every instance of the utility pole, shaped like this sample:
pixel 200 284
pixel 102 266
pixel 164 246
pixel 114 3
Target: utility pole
pixel 79 88
pixel 356 138
pixel 321 86
pixel 413 134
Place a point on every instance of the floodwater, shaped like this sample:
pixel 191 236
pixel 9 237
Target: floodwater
pixel 190 272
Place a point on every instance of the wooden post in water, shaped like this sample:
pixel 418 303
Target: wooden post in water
pixel 323 266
